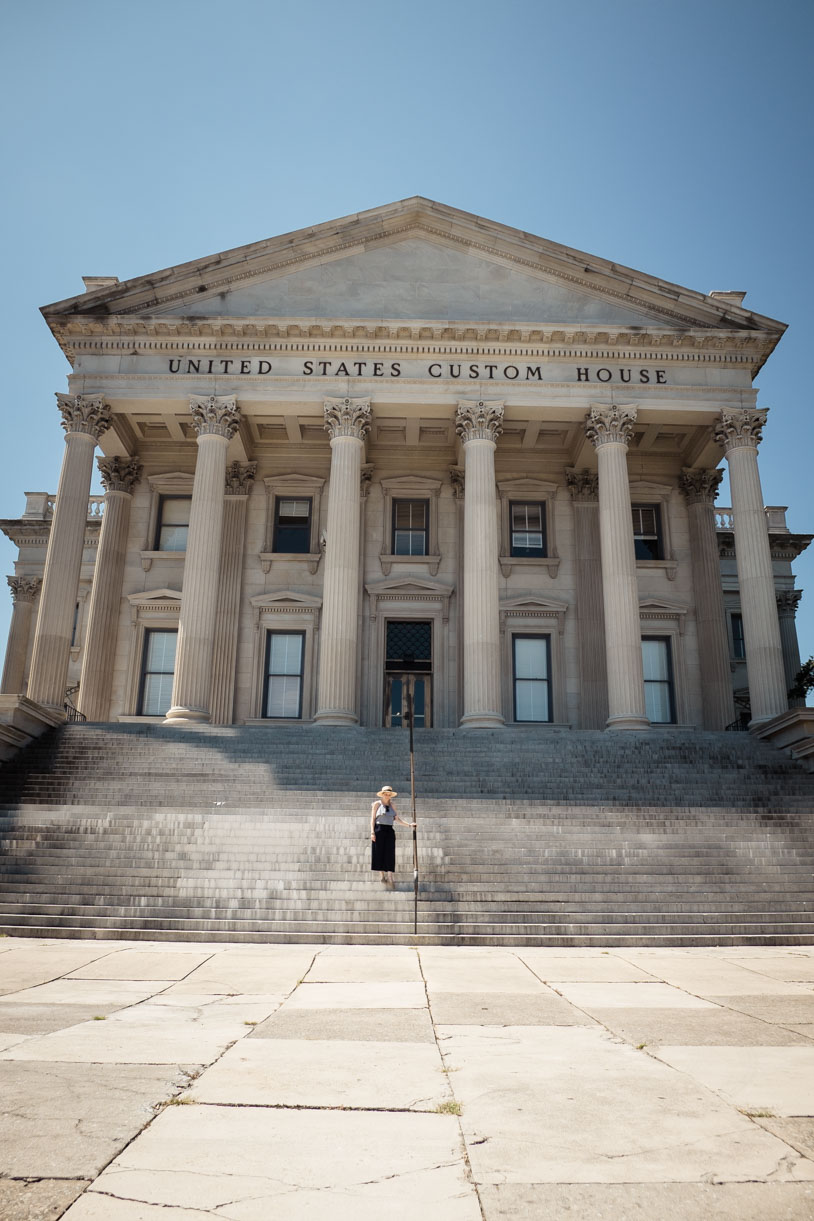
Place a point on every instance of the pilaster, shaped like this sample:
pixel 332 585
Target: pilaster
pixel 239 480
pixel 700 487
pixel 590 611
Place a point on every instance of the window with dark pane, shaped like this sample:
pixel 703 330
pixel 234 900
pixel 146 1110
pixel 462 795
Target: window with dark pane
pixel 409 645
pixel 659 699
pixel 531 663
pixel 157 670
pixel 647 532
pixel 292 525
pixel 173 523
pixel 410 520
pixel 528 529
pixel 738 640
pixel 282 696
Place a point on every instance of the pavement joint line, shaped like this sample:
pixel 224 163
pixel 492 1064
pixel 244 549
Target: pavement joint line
pixel 468 1172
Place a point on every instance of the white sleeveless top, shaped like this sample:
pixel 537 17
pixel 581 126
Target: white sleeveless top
pixel 385 815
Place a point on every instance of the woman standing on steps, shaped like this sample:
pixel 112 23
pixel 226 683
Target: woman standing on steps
pixel 383 837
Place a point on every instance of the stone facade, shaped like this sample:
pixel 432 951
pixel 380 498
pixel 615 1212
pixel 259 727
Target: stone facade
pixel 409 451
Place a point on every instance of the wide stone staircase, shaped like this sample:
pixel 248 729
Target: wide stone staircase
pixel 532 837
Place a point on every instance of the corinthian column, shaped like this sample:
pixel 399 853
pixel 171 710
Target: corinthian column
pixel 479 424
pixel 700 488
pixel 239 480
pixel 609 430
pixel 740 433
pixel 119 477
pixel 590 613
pixel 84 420
pixel 23 593
pixel 348 422
pixel 216 421
pixel 787 603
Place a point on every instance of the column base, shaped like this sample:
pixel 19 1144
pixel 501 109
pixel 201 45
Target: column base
pixel 330 717
pixel 482 720
pixel 186 716
pixel 627 722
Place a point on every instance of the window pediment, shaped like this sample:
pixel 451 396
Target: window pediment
pixel 658 608
pixel 409 590
pixel 529 609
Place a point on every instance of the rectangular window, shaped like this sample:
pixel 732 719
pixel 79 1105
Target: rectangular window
pixel 647 532
pixel 173 523
pixel 410 521
pixel 528 529
pixel 157 672
pixel 738 641
pixel 283 687
pixel 531 658
pixel 659 698
pixel 292 525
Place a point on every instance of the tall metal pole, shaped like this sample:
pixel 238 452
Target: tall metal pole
pixel 410 682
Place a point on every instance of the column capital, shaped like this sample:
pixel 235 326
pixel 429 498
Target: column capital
pixel 347 417
pixel 214 415
pixel 479 419
pixel 610 425
pixel 740 428
pixel 84 413
pixel 787 601
pixel 119 474
pixel 23 589
pixel 583 485
pixel 240 477
pixel 700 486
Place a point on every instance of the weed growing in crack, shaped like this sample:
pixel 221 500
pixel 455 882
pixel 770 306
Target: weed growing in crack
pixel 760 1113
pixel 448 1108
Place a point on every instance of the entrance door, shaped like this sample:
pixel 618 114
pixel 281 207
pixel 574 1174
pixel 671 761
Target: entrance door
pixel 408 668
pixel 395 711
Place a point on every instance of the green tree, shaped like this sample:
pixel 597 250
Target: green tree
pixel 804 682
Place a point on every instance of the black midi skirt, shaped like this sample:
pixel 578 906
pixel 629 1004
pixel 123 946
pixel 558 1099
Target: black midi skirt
pixel 383 850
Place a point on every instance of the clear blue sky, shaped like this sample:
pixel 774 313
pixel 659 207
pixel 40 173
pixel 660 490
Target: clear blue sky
pixel 674 136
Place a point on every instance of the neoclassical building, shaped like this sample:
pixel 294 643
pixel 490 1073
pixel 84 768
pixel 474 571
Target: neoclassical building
pixel 409 451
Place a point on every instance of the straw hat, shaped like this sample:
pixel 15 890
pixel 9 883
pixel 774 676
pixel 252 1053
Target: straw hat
pixel 386 791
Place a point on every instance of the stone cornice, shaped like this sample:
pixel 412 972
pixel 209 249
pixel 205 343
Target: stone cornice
pixel 301 336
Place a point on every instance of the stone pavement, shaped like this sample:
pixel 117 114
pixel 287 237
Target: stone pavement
pixel 143 1081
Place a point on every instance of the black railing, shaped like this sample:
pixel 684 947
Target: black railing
pixel 72 713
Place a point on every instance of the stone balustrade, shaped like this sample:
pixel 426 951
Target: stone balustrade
pixel 39 506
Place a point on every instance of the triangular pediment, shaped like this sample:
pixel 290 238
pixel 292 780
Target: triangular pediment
pixel 285 599
pixel 415 261
pixel 408 587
